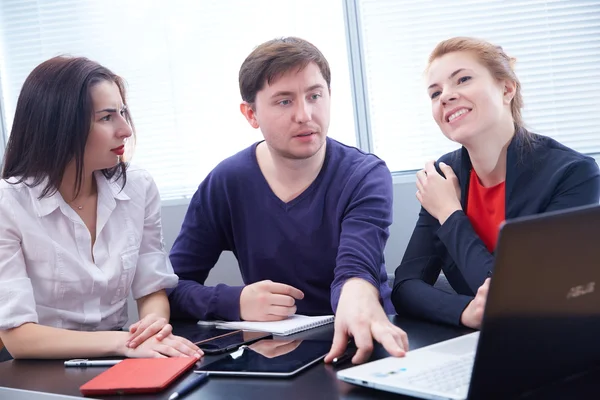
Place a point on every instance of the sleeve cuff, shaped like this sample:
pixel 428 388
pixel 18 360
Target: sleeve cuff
pixel 17 303
pixel 335 297
pixel 227 302
pixel 336 290
pixel 460 305
pixel 153 273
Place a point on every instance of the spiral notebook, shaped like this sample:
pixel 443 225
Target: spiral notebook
pixel 293 324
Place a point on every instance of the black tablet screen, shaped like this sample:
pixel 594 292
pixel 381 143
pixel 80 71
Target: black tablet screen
pixel 270 358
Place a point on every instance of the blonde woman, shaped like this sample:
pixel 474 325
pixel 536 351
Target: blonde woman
pixel 501 172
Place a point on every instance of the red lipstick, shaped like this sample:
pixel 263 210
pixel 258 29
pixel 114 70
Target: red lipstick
pixel 119 150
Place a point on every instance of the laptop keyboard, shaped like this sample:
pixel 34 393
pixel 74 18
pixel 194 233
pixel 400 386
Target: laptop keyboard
pixel 451 376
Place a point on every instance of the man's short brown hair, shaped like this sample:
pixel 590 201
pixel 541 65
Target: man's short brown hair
pixel 274 58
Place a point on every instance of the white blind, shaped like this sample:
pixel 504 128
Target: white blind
pixel 181 61
pixel 556 43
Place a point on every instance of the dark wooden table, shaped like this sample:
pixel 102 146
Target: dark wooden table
pixel 317 382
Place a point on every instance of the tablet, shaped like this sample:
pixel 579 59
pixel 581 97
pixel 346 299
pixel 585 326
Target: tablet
pixel 270 358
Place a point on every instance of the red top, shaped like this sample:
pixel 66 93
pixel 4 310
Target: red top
pixel 486 209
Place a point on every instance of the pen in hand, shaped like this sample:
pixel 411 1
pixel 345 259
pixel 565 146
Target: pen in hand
pixel 339 360
pixel 198 380
pixel 348 354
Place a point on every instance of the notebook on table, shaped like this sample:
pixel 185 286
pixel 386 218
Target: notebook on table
pixel 293 324
pixel 138 375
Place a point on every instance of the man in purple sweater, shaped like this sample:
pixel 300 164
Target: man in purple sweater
pixel 306 216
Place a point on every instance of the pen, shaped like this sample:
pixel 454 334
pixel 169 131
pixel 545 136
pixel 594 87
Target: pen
pixel 198 380
pixel 343 358
pixel 82 362
pixel 207 323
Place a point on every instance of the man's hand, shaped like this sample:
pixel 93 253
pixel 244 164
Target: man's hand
pixel 439 196
pixel 268 301
pixel 473 314
pixel 169 346
pixel 360 315
pixel 145 328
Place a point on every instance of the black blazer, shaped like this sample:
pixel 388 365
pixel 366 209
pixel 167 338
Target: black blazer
pixel 541 175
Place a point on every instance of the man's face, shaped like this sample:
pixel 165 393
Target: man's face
pixel 293 113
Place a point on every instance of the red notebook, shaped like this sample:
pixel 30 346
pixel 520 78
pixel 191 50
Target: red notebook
pixel 138 375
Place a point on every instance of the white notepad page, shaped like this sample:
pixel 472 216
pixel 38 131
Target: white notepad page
pixel 294 323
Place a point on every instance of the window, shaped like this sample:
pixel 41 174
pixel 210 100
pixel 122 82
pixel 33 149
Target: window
pixel 556 43
pixel 181 61
pixel 3 132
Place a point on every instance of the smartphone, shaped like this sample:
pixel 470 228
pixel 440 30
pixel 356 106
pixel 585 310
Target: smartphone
pixel 224 340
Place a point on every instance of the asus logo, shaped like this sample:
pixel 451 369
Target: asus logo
pixel 581 290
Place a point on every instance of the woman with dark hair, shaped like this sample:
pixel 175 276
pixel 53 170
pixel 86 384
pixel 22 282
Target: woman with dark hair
pixel 502 171
pixel 80 230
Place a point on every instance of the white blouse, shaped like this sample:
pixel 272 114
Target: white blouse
pixel 47 273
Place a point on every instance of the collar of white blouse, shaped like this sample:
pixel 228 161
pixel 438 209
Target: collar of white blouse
pixel 108 193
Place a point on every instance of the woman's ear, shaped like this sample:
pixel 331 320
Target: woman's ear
pixel 510 90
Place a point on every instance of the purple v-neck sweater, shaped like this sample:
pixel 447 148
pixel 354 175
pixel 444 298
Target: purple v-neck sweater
pixel 335 230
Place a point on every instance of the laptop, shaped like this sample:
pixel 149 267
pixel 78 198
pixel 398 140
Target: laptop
pixel 541 323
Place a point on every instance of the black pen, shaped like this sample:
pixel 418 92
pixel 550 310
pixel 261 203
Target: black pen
pixel 189 386
pixel 344 357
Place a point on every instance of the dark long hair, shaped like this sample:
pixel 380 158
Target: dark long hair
pixel 52 123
